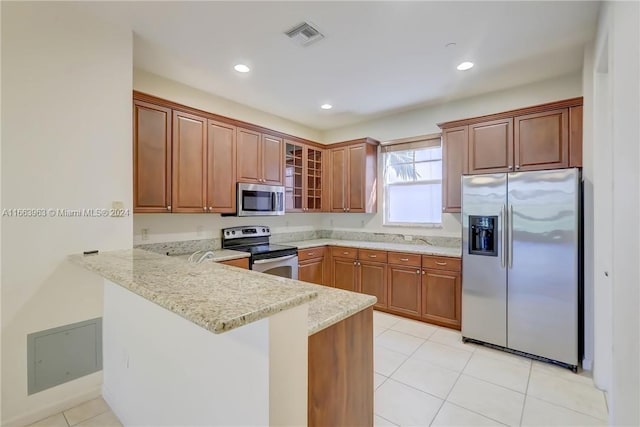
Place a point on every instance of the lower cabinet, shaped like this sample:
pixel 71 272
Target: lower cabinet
pixel 441 299
pixel 404 290
pixel 344 274
pixel 240 262
pixel 312 266
pixel 373 281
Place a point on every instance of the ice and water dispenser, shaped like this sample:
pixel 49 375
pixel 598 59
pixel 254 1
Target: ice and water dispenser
pixel 483 235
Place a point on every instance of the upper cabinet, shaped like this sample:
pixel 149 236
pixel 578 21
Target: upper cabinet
pixel 151 158
pixel 547 136
pixel 354 176
pixel 221 167
pixel 189 163
pixel 261 159
pixel 303 177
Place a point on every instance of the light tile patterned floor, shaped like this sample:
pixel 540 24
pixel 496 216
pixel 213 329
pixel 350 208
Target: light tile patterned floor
pixel 92 413
pixel 425 375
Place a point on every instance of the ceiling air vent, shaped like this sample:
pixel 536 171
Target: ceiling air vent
pixel 304 34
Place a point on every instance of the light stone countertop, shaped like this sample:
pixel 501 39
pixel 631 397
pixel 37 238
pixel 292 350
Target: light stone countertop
pixel 383 246
pixel 218 297
pixel 218 255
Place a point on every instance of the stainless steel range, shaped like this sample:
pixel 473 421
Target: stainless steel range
pixel 278 260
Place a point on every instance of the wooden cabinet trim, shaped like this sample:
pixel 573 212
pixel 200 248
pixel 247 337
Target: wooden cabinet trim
pixel 566 103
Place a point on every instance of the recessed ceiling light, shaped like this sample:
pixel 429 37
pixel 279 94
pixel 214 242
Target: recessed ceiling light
pixel 326 106
pixel 241 68
pixel 452 44
pixel 465 66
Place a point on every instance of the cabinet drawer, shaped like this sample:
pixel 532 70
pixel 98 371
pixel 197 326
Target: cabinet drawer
pixel 239 262
pixel 342 252
pixel 372 255
pixel 441 263
pixel 310 253
pixel 402 258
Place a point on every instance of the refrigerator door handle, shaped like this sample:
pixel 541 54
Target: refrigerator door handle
pixel 503 234
pixel 510 242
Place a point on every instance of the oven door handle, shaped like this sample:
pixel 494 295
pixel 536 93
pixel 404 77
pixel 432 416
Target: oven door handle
pixel 269 260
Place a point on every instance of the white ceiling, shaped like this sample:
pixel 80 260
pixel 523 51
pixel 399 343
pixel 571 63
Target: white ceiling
pixel 376 58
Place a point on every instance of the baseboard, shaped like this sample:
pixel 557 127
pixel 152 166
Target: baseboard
pixel 40 413
pixel 118 410
pixel 587 364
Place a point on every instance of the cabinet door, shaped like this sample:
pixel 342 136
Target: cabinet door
pixel 575 137
pixel 542 140
pixel 221 172
pixel 373 281
pixel 272 159
pixel 248 162
pixel 312 271
pixel 189 162
pixel 293 177
pixel 490 147
pixel 454 161
pixel 356 168
pixel 441 297
pixel 404 290
pixel 313 179
pixel 338 179
pixel 343 274
pixel 151 158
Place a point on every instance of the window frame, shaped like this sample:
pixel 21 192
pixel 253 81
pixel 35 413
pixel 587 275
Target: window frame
pixel 407 144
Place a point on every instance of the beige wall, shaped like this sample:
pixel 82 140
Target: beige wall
pixel 153 84
pixel 424 120
pixel 66 142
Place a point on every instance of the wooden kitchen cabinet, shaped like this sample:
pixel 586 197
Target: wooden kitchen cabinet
pixel 240 263
pixel 189 163
pixel 151 158
pixel 312 265
pixel 575 137
pixel 353 176
pixel 261 158
pixel 221 167
pixel 454 165
pixel 541 140
pixel 441 293
pixel 404 289
pixel 373 281
pixel 490 147
pixel 303 178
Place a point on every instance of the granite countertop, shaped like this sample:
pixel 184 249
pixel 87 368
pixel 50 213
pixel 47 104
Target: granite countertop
pixel 383 246
pixel 218 297
pixel 218 255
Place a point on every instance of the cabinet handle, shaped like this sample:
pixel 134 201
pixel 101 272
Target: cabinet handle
pixel 423 272
pixel 210 208
pixel 204 208
pixel 417 271
pixel 345 253
pixel 510 167
pixel 404 259
pixel 169 207
pixel 355 263
pixel 441 263
pixel 373 256
pixel 517 166
pixel 310 253
pixel 348 209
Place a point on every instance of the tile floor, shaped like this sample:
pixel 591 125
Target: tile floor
pixel 92 413
pixel 424 375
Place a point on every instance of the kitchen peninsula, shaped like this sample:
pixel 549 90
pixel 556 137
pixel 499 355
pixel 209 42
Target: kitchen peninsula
pixel 211 344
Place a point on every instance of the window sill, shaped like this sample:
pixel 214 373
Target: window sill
pixel 413 225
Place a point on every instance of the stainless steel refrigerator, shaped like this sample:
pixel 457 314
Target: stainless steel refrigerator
pixel 521 260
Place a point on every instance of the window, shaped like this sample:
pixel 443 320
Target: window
pixel 413 182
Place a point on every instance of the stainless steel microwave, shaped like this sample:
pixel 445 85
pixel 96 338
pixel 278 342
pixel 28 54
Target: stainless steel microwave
pixel 260 199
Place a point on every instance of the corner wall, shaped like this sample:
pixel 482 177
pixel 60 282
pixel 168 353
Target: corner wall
pixel 66 142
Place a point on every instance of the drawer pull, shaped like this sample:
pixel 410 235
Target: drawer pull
pixel 373 256
pixel 417 271
pixel 404 259
pixel 441 263
pixel 310 253
pixel 345 253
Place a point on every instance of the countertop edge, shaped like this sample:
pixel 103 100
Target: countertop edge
pixel 422 249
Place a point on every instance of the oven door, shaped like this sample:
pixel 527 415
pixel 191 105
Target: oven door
pixel 260 200
pixel 285 266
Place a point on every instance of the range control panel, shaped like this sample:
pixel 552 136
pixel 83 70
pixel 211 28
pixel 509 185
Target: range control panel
pixel 246 231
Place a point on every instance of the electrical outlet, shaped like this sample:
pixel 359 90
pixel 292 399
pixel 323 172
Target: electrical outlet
pixel 144 234
pixel 408 238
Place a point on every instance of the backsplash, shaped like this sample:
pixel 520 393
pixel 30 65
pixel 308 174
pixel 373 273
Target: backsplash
pixel 190 246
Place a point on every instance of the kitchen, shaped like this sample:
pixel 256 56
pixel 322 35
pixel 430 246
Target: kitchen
pixel 113 176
